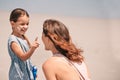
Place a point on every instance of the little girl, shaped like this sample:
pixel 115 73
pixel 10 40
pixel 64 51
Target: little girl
pixel 19 47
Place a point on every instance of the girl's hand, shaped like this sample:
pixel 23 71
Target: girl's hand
pixel 35 43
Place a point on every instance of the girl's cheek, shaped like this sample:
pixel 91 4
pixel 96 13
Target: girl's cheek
pixel 19 27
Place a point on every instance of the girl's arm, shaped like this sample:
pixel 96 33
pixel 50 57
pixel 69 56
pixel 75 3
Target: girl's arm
pixel 19 52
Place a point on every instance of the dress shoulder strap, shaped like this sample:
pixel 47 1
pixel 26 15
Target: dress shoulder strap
pixel 66 59
pixel 81 76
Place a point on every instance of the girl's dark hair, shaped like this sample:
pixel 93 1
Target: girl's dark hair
pixel 59 35
pixel 16 13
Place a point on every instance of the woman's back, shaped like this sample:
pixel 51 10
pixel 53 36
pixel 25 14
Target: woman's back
pixel 60 68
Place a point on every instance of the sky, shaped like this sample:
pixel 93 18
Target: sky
pixel 76 8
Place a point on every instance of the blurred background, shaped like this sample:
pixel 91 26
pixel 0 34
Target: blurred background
pixel 94 26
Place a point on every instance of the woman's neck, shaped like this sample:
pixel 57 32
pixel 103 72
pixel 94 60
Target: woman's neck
pixel 54 51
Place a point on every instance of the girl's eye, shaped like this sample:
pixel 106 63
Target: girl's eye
pixel 27 24
pixel 23 24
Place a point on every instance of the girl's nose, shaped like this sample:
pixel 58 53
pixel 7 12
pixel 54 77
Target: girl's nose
pixel 26 26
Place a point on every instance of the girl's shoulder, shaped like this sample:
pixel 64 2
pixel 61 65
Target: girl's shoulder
pixel 12 38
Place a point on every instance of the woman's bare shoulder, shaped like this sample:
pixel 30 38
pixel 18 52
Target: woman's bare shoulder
pixel 57 61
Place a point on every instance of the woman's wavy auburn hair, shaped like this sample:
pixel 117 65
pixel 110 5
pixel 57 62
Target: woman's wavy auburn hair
pixel 59 35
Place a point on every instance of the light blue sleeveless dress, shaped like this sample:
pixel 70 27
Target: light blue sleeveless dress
pixel 19 70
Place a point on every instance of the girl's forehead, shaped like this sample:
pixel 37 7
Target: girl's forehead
pixel 23 19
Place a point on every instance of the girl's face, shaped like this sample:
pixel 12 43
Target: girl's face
pixel 21 26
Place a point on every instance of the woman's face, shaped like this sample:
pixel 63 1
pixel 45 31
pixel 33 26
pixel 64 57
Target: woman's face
pixel 21 26
pixel 46 42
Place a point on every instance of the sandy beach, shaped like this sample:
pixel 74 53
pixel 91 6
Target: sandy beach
pixel 99 38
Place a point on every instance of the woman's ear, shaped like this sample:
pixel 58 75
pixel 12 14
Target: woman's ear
pixel 54 37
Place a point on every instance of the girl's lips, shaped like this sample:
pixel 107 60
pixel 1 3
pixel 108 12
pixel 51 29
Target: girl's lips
pixel 23 30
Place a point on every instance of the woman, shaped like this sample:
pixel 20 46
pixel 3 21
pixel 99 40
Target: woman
pixel 67 63
pixel 19 47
